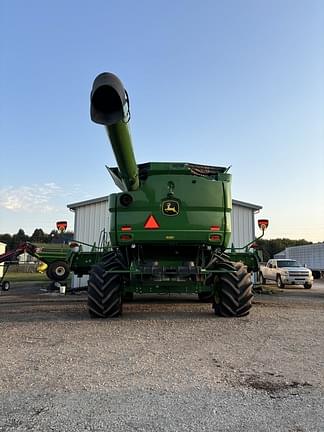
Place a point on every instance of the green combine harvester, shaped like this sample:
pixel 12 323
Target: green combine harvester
pixel 169 227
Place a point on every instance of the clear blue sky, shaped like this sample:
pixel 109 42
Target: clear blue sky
pixel 236 83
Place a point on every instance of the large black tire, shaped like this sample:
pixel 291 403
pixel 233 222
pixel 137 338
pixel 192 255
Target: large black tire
pixel 58 271
pixel 263 280
pixel 234 297
pixel 307 285
pixel 105 288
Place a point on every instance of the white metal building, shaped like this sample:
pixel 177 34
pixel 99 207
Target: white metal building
pixel 90 219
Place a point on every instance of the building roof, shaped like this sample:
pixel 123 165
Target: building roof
pixel 73 206
pixel 246 204
pixel 76 205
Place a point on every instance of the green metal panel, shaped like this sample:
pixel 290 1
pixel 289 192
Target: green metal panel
pixel 202 204
pixel 81 262
pixel 49 256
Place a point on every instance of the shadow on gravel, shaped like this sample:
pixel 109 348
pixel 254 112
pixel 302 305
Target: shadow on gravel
pixel 275 386
pixel 55 307
pixel 31 304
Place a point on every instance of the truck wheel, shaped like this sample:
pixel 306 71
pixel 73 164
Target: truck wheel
pixel 316 274
pixel 263 281
pixel 58 271
pixel 105 288
pixel 234 298
pixel 280 284
pixel 308 285
pixel 5 286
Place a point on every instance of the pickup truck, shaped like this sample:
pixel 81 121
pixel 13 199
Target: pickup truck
pixel 286 271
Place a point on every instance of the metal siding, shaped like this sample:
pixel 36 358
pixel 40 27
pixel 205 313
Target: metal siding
pixel 89 220
pixel 242 225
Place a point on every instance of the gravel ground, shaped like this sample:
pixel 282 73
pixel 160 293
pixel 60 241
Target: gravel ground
pixel 167 365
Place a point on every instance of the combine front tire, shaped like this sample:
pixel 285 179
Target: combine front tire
pixel 105 288
pixel 234 298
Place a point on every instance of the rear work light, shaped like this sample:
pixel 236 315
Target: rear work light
pixel 215 228
pixel 126 228
pixel 126 237
pixel 125 200
pixel 214 237
pixel 61 226
pixel 263 224
pixel 151 223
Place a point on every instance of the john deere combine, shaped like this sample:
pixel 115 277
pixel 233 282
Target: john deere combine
pixel 169 226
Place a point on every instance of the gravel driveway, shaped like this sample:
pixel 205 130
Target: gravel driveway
pixel 167 365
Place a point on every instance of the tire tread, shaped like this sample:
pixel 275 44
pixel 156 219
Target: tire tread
pixel 104 287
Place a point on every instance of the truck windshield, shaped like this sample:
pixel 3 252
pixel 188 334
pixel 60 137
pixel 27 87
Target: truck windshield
pixel 288 263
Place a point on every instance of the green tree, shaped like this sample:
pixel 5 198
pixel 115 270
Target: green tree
pixel 39 236
pixel 19 238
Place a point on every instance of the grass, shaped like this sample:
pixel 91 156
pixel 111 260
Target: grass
pixel 27 277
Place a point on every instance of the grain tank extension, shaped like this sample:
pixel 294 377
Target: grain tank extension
pixel 169 226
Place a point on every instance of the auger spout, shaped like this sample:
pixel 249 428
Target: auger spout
pixel 110 107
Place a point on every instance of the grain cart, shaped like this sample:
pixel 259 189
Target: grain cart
pixel 168 227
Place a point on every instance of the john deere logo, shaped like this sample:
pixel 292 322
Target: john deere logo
pixel 170 208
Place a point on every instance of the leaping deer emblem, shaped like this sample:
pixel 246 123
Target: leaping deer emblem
pixel 170 209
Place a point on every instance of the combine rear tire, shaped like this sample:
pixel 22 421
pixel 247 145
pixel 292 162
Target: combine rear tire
pixel 58 271
pixel 105 288
pixel 234 297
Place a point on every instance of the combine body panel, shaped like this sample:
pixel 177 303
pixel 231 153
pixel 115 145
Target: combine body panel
pixel 182 213
pixel 168 228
